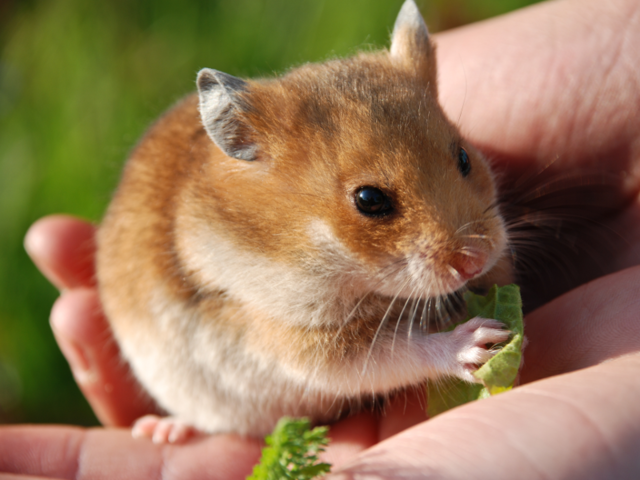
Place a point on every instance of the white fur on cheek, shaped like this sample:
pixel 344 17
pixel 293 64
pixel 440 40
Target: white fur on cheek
pixel 307 295
pixel 332 254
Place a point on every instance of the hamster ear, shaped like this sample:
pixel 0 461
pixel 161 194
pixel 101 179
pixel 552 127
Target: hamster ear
pixel 220 105
pixel 410 43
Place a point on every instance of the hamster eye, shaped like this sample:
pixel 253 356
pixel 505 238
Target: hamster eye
pixel 372 201
pixel 463 162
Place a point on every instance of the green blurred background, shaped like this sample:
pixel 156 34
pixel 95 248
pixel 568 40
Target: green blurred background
pixel 79 83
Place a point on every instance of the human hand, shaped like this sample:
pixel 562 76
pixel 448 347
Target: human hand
pixel 546 419
pixel 63 248
pixel 557 81
pixel 550 94
pixel 514 111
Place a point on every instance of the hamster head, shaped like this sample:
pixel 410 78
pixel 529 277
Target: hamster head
pixel 350 170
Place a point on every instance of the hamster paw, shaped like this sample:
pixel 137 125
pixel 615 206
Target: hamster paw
pixel 162 429
pixel 471 339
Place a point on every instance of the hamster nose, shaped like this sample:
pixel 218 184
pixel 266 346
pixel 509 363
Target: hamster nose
pixel 468 263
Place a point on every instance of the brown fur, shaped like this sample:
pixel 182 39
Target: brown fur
pixel 322 132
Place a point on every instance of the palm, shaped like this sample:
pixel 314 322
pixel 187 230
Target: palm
pixel 557 81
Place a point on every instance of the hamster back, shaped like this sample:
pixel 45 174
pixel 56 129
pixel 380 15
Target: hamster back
pixel 276 246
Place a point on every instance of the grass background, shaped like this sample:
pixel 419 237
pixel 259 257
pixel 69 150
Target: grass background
pixel 79 83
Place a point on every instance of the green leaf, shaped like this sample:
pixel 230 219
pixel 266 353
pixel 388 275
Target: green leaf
pixel 292 452
pixel 499 373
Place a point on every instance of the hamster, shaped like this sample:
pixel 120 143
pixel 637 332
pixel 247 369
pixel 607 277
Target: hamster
pixel 275 245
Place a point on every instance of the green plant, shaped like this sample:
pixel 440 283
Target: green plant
pixel 292 452
pixel 499 373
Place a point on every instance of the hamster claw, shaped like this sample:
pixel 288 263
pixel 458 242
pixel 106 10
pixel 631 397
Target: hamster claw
pixel 473 337
pixel 162 430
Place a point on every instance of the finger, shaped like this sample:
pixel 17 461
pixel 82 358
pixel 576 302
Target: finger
pixel 593 323
pixel 63 249
pixel 353 435
pixel 69 452
pixel 42 451
pixel 561 101
pixel 578 425
pixel 86 341
pixel 627 228
pixel 403 411
pixel 349 437
pixel 75 453
pixel 8 476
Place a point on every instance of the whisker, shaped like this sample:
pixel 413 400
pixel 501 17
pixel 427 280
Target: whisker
pixel 493 206
pixel 454 273
pixel 375 337
pixel 415 307
pixel 462 228
pixel 364 297
pixel 475 235
pixel 438 307
pixel 395 331
pixel 412 319
pixel 424 321
pixel 469 252
pixel 467 225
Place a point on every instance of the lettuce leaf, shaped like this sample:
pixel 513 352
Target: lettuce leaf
pixel 499 373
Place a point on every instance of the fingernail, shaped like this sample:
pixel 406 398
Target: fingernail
pixel 34 244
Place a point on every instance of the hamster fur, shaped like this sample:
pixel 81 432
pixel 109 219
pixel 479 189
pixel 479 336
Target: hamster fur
pixel 274 244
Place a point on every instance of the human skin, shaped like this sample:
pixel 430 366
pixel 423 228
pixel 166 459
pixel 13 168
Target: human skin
pixel 556 81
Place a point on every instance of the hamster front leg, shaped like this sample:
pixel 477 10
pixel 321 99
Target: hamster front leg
pixel 357 361
pixel 465 348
